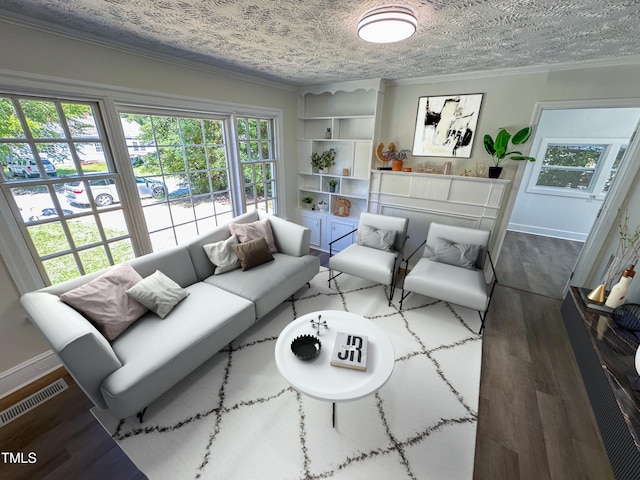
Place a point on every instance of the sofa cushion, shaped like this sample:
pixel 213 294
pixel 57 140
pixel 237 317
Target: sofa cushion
pixel 201 263
pixel 254 230
pixel 253 253
pixel 174 262
pixel 221 255
pixel 158 293
pixel 104 302
pixel 271 283
pixel 156 354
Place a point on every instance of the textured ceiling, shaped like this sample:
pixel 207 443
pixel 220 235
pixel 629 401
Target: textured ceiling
pixel 314 41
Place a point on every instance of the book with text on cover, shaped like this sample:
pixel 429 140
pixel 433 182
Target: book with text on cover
pixel 350 351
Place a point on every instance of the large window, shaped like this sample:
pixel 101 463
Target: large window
pixel 257 157
pixel 54 167
pixel 187 156
pixel 83 201
pixel 576 167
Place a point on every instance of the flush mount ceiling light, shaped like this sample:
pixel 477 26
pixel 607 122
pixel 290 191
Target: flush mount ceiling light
pixel 387 25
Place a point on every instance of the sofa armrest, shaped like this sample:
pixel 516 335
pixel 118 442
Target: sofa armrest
pixel 84 351
pixel 291 238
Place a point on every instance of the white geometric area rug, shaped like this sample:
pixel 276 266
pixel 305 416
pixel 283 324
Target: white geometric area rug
pixel 237 418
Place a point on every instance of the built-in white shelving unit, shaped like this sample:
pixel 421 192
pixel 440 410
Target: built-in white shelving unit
pixel 342 116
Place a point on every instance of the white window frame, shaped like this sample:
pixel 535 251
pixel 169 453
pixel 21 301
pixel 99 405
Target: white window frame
pixel 600 175
pixel 13 248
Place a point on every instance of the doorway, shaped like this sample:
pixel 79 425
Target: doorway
pixel 579 152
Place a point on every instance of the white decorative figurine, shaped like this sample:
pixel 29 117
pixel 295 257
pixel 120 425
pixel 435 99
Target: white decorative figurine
pixel 620 289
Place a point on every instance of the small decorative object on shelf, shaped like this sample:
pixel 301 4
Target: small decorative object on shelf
pixel 306 347
pixel 350 351
pixel 327 134
pixel 323 206
pixel 307 201
pixel 332 185
pixel 319 323
pixel 619 291
pixel 345 172
pixel 446 169
pixel 396 157
pixel 342 207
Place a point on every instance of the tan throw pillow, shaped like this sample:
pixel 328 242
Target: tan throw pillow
pixel 104 302
pixel 253 253
pixel 251 231
pixel 158 293
pixel 222 255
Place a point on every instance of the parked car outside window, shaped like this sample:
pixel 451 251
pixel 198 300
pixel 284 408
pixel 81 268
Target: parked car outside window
pixel 105 192
pixel 29 168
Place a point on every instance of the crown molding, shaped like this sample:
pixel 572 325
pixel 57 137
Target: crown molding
pixel 512 71
pixel 48 28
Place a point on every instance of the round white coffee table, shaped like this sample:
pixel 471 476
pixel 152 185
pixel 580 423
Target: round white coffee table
pixel 317 378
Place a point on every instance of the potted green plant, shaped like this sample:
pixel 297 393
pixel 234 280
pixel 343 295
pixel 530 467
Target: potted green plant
pixel 322 161
pixel 307 201
pixel 332 185
pixel 500 149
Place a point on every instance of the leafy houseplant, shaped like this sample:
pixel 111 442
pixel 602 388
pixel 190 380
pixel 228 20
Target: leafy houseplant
pixel 307 201
pixel 332 184
pixel 500 149
pixel 323 160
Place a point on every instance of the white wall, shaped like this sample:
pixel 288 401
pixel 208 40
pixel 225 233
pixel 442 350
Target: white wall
pixel 509 101
pixel 48 57
pixel 563 216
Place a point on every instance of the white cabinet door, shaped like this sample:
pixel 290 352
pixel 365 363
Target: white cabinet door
pixel 313 223
pixel 338 228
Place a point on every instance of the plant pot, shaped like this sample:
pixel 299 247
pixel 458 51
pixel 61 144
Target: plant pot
pixel 494 172
pixel 332 189
pixel 397 166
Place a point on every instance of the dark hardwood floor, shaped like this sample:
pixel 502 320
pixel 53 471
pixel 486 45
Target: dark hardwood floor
pixel 535 421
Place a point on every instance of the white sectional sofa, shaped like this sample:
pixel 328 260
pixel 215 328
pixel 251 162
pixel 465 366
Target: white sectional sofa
pixel 153 354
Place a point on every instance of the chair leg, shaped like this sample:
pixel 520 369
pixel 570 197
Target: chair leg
pixel 482 317
pixel 402 297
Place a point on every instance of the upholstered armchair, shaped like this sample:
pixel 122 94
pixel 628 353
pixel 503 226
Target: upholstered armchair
pixel 377 253
pixel 452 268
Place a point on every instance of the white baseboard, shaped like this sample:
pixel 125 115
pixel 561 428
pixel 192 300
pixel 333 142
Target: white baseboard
pixel 25 373
pixel 548 232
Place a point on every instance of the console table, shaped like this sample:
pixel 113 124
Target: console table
pixel 605 359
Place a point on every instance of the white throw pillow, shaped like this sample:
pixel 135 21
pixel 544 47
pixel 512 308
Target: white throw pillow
pixel 158 293
pixel 376 238
pixel 103 300
pixel 222 255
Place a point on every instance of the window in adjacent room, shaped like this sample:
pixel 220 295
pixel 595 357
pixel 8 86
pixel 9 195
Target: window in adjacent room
pixel 577 168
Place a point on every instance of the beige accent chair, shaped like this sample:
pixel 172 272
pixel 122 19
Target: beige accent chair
pixel 377 253
pixel 452 268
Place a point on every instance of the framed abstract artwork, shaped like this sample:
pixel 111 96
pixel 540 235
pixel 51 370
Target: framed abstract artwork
pixel 446 125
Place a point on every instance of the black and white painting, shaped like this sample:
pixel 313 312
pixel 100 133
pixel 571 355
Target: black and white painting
pixel 446 125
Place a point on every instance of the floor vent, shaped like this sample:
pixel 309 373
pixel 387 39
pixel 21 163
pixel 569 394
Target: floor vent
pixel 32 401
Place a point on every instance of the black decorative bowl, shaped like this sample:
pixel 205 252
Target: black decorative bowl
pixel 306 347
